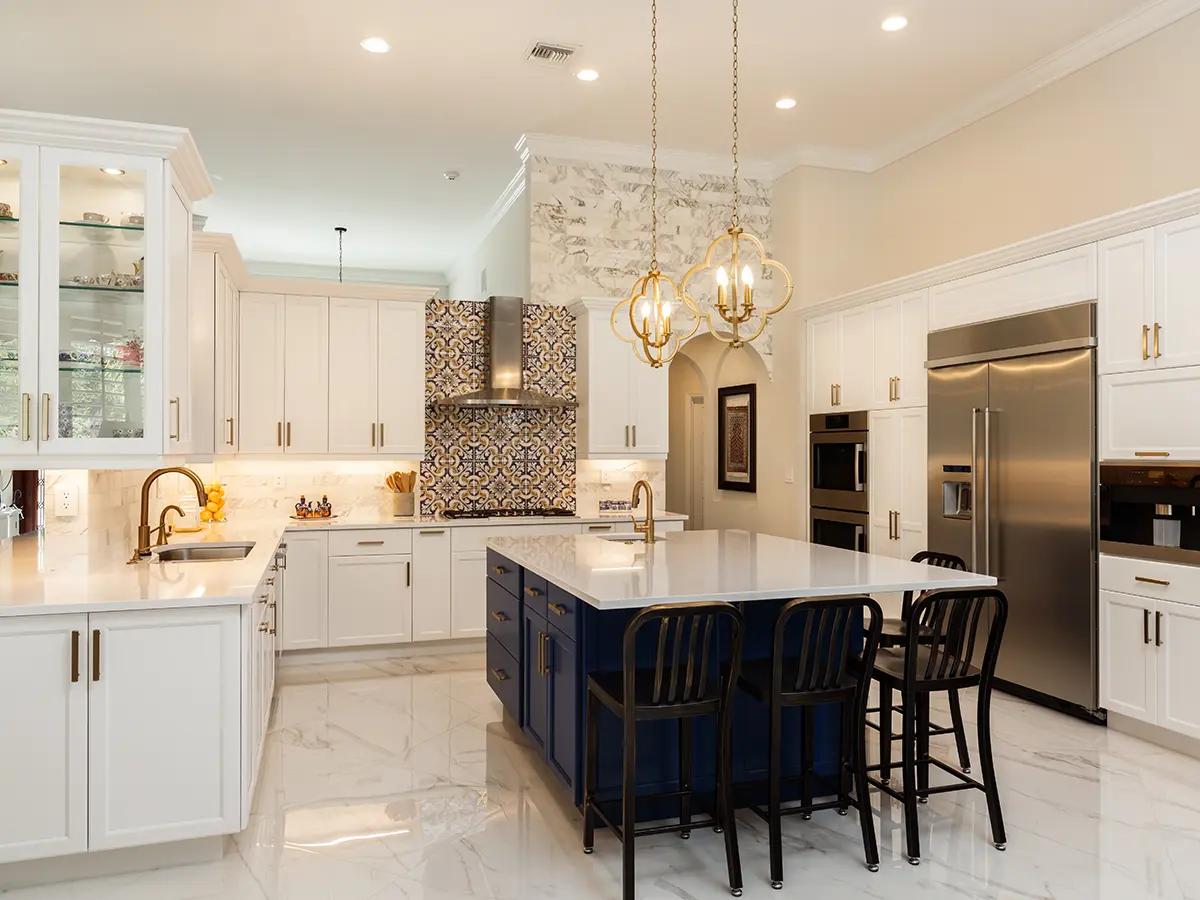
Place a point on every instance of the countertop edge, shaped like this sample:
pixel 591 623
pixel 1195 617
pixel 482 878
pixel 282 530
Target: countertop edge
pixel 293 526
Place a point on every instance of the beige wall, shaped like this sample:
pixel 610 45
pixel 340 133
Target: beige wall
pixel 1122 132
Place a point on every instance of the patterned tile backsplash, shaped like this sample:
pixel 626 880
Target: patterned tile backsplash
pixel 480 458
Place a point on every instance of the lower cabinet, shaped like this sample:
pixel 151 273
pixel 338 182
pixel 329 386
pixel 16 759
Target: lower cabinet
pixel 432 619
pixel 306 589
pixel 468 602
pixel 129 729
pixel 899 460
pixel 535 707
pixel 370 600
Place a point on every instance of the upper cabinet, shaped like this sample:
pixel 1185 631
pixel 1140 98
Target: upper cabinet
pixel 869 357
pixel 623 402
pixel 214 305
pixel 1149 284
pixel 96 354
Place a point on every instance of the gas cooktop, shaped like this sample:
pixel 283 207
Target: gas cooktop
pixel 507 513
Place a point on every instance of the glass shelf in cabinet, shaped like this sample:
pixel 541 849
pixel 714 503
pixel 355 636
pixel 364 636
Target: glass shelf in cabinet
pixel 102 226
pixel 117 368
pixel 101 288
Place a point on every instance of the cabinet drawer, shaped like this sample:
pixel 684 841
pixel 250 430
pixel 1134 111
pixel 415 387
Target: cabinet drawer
pixel 1150 578
pixel 504 677
pixel 500 569
pixel 504 617
pixel 534 592
pixel 370 542
pixel 562 611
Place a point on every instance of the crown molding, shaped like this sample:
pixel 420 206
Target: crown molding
pixel 1148 215
pixel 79 133
pixel 556 146
pixel 225 247
pixel 818 157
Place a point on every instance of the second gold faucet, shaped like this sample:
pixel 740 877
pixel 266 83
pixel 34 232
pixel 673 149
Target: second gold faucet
pixel 648 528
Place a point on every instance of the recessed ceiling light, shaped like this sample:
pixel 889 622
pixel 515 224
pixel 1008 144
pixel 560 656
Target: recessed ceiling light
pixel 785 103
pixel 587 74
pixel 894 23
pixel 113 171
pixel 450 176
pixel 375 45
pixel 3 162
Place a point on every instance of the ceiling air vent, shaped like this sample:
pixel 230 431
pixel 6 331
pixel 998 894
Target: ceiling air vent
pixel 550 54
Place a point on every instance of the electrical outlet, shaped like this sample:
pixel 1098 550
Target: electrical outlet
pixel 605 478
pixel 66 502
pixel 278 481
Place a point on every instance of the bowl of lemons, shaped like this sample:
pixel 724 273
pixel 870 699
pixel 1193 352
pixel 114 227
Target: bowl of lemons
pixel 214 511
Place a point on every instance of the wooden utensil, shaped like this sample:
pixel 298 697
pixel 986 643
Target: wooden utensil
pixel 391 483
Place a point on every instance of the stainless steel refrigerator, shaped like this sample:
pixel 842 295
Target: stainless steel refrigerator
pixel 1013 485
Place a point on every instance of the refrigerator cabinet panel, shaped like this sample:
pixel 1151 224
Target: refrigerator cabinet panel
pixel 957 397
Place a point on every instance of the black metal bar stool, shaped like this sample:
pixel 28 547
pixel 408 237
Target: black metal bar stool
pixel 679 686
pixel 959 622
pixel 827 669
pixel 893 635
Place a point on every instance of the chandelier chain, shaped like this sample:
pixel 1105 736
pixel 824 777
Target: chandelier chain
pixel 736 173
pixel 654 135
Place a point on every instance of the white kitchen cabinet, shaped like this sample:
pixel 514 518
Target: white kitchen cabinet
pixel 188 341
pixel 840 353
pixel 211 275
pixel 1150 415
pixel 468 602
pixel 824 362
pixel 401 379
pixel 1177 294
pixel 305 603
pixel 897 476
pixel 1128 662
pixel 370 600
pixel 260 373
pixel 43 756
pixel 164 713
pixel 306 375
pixel 432 585
pixel 900 338
pixel 622 401
pixel 353 376
pixel 1178 645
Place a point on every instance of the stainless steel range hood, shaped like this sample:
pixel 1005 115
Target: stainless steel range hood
pixel 505 381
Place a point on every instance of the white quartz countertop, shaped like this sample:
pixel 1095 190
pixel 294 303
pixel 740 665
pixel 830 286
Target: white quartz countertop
pixel 683 567
pixel 374 518
pixel 71 574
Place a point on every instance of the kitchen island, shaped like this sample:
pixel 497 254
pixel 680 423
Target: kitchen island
pixel 558 607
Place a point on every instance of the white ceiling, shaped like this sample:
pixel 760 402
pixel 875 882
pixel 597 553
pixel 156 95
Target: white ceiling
pixel 304 130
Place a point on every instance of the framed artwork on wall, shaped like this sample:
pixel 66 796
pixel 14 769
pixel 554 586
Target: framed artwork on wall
pixel 737 438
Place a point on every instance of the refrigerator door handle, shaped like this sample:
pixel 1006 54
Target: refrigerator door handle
pixel 987 491
pixel 974 485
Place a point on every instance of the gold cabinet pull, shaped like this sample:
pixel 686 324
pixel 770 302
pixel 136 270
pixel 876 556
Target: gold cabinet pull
pixel 1157 328
pixel 95 654
pixel 500 570
pixel 74 657
pixel 408 573
pixel 174 402
pixel 380 435
pixel 599 528
pixel 372 434
pixel 500 616
pixel 370 543
pixel 26 402
pixel 558 609
pixel 289 434
pixel 533 592
pixel 1158 640
pixel 832 397
pixel 635 435
pixel 432 531
pixel 1144 580
pixel 626 435
pixel 1151 453
pixel 541 655
pixel 1145 626
pixel 45 417
pixel 500 674
pixel 229 425
pixel 263 626
pixel 1145 342
pixel 279 433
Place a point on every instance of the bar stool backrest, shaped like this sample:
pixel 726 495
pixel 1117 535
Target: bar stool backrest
pixel 684 651
pixel 959 623
pixel 828 628
pixel 931 558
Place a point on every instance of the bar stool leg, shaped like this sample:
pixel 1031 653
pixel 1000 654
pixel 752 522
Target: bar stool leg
pixel 845 742
pixel 912 828
pixel 922 711
pixel 590 771
pixel 685 775
pixel 960 733
pixel 991 789
pixel 774 814
pixel 808 752
pixel 862 795
pixel 725 788
pixel 628 805
pixel 885 732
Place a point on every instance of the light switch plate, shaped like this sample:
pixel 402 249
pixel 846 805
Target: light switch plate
pixel 789 477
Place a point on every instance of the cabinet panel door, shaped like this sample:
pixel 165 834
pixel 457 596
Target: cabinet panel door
pixel 226 375
pixel 1128 663
pixel 824 354
pixel 43 756
pixel 182 334
pixel 468 604
pixel 1126 302
pixel 19 407
pixel 857 352
pixel 1179 667
pixel 304 605
pixel 1149 415
pixel 913 387
pixel 260 373
pixel 166 702
pixel 609 365
pixel 306 375
pixel 883 480
pixel 402 379
pixel 370 600
pixel 353 376
pixel 1177 272
pixel 564 725
pixel 885 336
pixel 432 593
pixel 534 683
pixel 912 487
pixel 649 409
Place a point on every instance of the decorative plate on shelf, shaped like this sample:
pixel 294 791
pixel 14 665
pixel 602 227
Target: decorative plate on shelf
pixel 313 518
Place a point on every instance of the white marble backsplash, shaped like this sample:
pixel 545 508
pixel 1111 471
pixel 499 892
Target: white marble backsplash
pixel 590 488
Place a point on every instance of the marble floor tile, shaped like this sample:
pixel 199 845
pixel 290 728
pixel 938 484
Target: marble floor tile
pixel 401 780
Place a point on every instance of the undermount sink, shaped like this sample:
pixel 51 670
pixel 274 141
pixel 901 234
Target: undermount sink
pixel 629 538
pixel 204 552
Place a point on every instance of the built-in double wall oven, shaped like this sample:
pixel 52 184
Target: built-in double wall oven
pixel 838 494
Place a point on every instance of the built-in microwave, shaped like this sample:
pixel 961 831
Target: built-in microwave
pixel 840 528
pixel 839 461
pixel 1150 512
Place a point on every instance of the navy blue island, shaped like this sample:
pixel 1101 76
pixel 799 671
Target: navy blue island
pixel 558 606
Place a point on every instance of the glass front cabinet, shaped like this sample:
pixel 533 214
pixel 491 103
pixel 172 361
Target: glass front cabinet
pixel 94 254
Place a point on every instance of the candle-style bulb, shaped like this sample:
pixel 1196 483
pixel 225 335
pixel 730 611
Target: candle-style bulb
pixel 747 277
pixel 666 310
pixel 722 277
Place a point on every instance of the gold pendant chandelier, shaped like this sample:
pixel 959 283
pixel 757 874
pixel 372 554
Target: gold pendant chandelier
pixel 656 319
pixel 730 312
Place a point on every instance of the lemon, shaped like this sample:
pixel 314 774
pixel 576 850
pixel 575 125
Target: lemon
pixel 205 515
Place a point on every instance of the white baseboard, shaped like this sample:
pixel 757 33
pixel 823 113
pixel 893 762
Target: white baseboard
pixel 110 862
pixel 1153 734
pixel 389 651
